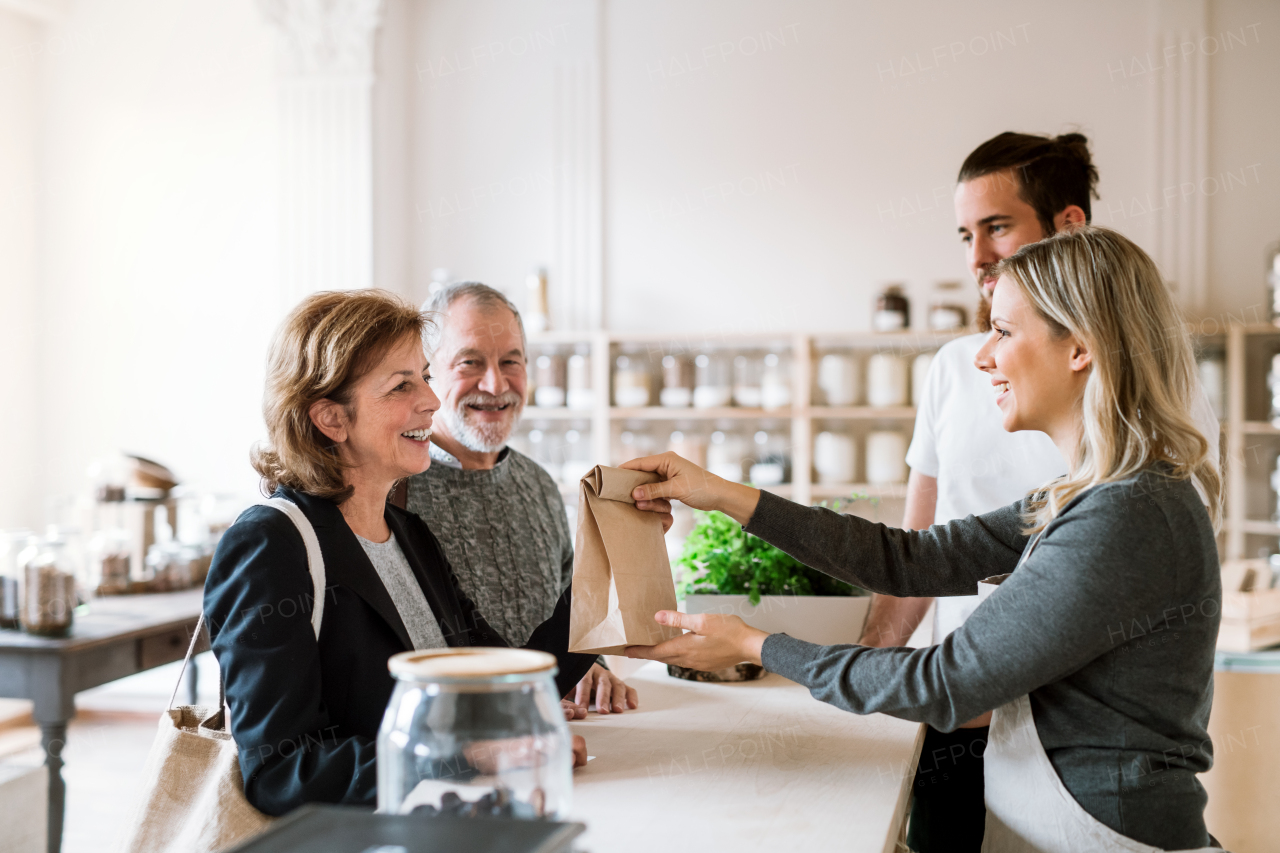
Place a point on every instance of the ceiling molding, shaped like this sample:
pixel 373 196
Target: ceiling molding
pixel 45 11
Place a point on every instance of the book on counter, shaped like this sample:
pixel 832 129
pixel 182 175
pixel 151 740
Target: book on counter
pixel 349 829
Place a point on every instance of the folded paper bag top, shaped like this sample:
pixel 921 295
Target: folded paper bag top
pixel 621 574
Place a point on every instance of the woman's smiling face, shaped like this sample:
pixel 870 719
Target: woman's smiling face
pixel 388 433
pixel 1038 377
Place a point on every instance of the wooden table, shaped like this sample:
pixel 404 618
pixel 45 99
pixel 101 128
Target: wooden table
pixel 118 637
pixel 738 767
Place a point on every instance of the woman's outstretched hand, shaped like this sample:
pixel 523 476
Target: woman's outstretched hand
pixel 693 486
pixel 715 641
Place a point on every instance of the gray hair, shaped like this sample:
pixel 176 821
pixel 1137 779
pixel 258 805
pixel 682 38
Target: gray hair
pixel 482 294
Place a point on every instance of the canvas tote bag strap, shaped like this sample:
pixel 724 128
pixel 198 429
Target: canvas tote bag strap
pixel 315 563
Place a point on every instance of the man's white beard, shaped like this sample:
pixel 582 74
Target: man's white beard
pixel 482 437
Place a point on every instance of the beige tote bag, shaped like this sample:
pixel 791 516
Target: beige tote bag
pixel 193 795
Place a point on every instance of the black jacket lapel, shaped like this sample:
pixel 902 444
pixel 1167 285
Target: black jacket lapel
pixel 345 562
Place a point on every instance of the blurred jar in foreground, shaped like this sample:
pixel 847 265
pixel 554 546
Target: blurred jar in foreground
pixel 549 382
pixel 775 382
pixel 690 445
pixel 770 468
pixel 748 372
pixel 712 382
pixel 887 380
pixel 577 455
pixel 475 732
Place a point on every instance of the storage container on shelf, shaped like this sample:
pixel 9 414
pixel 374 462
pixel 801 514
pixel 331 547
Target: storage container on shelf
pixel 476 732
pixel 713 381
pixel 919 373
pixel 946 314
pixel 834 458
pixel 892 311
pixel 726 452
pixel 577 455
pixel 549 382
pixel 677 382
pixel 748 373
pixel 580 394
pixel 634 441
pixel 771 458
pixel 775 382
pixel 690 444
pixel 888 378
pixel 886 457
pixel 631 381
pixel 49 579
pixel 839 380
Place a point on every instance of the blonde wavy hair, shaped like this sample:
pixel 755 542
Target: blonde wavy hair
pixel 1098 286
pixel 321 350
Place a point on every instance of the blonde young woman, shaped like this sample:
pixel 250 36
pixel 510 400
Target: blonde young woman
pixel 1096 654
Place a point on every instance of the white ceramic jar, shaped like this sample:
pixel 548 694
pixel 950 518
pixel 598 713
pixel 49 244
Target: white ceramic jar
pixel 919 373
pixel 838 379
pixel 886 457
pixel 888 380
pixel 834 458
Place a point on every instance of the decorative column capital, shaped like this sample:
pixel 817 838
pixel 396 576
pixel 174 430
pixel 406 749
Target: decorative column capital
pixel 325 38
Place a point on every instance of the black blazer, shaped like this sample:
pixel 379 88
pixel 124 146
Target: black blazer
pixel 305 714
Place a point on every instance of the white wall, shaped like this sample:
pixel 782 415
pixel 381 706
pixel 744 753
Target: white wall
pixel 21 45
pixel 159 243
pixel 772 163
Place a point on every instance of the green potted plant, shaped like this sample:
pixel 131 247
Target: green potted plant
pixel 724 569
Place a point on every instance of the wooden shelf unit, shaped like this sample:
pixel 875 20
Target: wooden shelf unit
pixel 1251 440
pixel 802 349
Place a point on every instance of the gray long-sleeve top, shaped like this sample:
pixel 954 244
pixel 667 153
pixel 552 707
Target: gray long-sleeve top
pixel 1109 625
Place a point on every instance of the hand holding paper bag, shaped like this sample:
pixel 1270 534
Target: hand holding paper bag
pixel 621 574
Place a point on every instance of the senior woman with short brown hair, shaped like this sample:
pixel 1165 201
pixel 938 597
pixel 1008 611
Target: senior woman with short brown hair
pixel 348 410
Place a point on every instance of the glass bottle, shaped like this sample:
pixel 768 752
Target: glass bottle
pixel 580 395
pixel 893 311
pixel 775 382
pixel 549 382
pixel 16 547
pixel 475 732
pixel 677 383
pixel 713 384
pixel 748 373
pixel 630 382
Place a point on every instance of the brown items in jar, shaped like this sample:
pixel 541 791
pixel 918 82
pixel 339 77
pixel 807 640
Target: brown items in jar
pixel 49 600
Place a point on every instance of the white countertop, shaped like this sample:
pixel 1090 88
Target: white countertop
pixel 738 767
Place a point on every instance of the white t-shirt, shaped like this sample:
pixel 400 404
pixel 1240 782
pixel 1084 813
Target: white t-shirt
pixel 959 440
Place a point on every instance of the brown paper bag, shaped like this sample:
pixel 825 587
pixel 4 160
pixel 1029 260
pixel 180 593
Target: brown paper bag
pixel 621 574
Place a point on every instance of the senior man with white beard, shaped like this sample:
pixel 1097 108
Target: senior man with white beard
pixel 498 515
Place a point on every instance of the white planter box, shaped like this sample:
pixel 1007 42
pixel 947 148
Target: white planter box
pixel 824 619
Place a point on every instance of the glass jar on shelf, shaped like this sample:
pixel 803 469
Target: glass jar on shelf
pixel 945 312
pixel 886 457
pixel 726 452
pixel 771 458
pixel 549 382
pixel 748 375
pixel 577 454
pixel 16 547
pixel 677 383
pixel 712 382
pixel 689 444
pixel 580 395
pixel 49 597
pixel 919 373
pixel 634 441
pixel 838 379
pixel 887 380
pixel 631 384
pixel 893 311
pixel 475 732
pixel 775 382
pixel 834 458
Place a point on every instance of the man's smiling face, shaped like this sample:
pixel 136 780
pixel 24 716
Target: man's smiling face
pixel 994 222
pixel 480 368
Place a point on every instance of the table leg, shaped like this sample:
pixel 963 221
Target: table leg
pixel 193 682
pixel 53 739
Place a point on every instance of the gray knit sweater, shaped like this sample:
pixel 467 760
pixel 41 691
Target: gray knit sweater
pixel 1109 625
pixel 505 533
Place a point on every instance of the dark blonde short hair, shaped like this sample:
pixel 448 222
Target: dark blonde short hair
pixel 324 346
